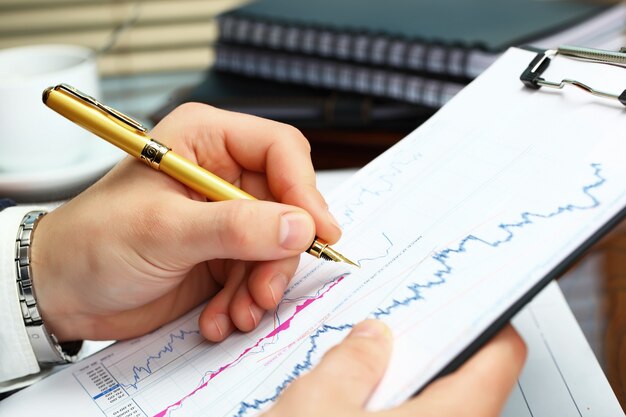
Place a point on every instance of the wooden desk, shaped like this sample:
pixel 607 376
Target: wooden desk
pixel 595 288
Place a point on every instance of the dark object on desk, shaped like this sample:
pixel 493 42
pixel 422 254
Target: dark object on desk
pixel 454 38
pixel 349 148
pixel 302 107
pixel 345 130
pixel 303 70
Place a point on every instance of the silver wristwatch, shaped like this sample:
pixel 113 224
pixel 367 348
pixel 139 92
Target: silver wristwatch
pixel 45 345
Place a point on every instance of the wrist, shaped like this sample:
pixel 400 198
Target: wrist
pixel 54 299
pixel 45 345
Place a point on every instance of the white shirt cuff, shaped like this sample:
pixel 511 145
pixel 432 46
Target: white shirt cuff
pixel 18 358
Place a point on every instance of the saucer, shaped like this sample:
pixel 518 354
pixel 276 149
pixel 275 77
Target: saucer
pixel 63 182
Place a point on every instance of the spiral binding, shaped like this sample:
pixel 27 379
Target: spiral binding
pixel 335 75
pixel 377 49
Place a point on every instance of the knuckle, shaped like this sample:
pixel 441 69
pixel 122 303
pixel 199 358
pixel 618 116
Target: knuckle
pixel 294 136
pixel 190 108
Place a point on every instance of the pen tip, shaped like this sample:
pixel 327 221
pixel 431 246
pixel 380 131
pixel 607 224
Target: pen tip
pixel 330 254
pixel 348 261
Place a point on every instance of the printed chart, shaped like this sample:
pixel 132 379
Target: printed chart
pixel 450 227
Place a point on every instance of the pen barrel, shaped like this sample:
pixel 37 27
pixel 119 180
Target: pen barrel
pixel 95 121
pixel 130 136
pixel 200 180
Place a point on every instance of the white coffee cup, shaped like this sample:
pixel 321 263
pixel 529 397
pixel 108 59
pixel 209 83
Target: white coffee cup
pixel 32 136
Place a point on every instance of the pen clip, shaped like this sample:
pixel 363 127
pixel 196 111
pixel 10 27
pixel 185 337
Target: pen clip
pixel 108 110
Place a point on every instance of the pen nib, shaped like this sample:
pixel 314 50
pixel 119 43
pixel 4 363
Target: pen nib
pixel 323 251
pixel 330 254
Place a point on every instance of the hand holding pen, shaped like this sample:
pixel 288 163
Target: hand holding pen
pixel 138 249
pixel 130 136
pixel 143 248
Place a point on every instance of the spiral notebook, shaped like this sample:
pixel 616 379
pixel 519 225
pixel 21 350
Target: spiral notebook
pixel 312 71
pixel 454 38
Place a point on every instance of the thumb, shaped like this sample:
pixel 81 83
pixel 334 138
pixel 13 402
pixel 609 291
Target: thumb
pixel 243 229
pixel 347 374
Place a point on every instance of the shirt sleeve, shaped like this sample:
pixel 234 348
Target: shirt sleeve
pixel 17 359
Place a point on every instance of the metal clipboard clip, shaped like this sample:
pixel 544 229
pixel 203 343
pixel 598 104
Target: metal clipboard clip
pixel 531 77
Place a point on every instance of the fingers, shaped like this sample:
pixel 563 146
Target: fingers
pixel 287 164
pixel 245 306
pixel 237 229
pixel 346 376
pixel 255 183
pixel 479 388
pixel 226 141
pixel 268 281
pixel 214 322
pixel 261 291
pixel 244 311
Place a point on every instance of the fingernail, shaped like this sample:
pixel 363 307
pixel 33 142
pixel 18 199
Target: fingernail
pixel 372 329
pixel 277 285
pixel 295 230
pixel 222 324
pixel 256 312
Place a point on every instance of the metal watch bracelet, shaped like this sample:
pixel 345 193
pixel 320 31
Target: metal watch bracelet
pixel 45 345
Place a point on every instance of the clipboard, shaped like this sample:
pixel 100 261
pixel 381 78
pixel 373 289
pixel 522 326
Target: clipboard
pixel 532 78
pixel 389 231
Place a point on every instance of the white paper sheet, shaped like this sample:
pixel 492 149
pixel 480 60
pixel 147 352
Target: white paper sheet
pixel 451 226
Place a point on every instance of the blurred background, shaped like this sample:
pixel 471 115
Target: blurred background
pixel 354 75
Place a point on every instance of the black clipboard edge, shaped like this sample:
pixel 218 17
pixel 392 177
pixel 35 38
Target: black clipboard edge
pixel 506 317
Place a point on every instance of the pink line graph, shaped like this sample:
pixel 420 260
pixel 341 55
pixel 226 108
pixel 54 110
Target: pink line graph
pixel 282 327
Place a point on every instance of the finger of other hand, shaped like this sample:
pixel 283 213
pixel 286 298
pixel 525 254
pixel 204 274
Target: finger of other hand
pixel 479 388
pixel 345 377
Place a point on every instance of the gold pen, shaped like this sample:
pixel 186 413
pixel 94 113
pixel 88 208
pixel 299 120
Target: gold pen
pixel 130 136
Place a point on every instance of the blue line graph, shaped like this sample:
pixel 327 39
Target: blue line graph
pixel 278 321
pixel 284 301
pixel 298 369
pixel 389 246
pixel 140 372
pixel 384 185
pixel 443 258
pixel 168 347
